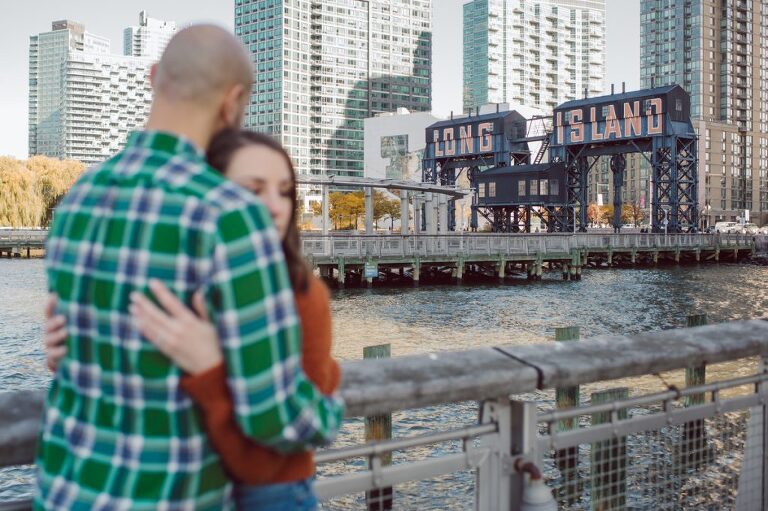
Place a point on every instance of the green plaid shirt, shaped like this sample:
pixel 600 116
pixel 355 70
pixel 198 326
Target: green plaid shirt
pixel 118 433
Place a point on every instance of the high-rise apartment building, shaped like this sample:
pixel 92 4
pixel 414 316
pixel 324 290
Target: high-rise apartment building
pixel 718 51
pixel 537 53
pixel 322 67
pixel 149 38
pixel 84 100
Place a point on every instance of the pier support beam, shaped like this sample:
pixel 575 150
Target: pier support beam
pixel 369 210
pixel 442 209
pixel 458 272
pixel 404 213
pixel 416 272
pixel 341 273
pixel 429 213
pixel 326 216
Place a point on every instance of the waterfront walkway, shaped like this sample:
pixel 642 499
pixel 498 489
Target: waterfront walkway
pixel 365 258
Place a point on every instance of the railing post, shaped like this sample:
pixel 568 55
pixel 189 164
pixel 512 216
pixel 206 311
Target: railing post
pixel 695 443
pixel 499 486
pixel 567 460
pixel 379 427
pixel 609 457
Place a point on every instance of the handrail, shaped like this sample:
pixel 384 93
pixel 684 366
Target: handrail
pixel 386 385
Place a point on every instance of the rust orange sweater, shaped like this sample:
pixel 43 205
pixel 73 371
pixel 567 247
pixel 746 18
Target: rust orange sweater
pixel 246 461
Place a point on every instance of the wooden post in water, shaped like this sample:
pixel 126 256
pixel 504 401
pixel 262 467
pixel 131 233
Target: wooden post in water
pixel 609 458
pixel 379 427
pixel 695 445
pixel 568 459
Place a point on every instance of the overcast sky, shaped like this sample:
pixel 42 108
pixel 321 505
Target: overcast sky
pixel 108 18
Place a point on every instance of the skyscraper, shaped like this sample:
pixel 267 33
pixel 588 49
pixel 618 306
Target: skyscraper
pixel 149 38
pixel 718 52
pixel 84 100
pixel 537 53
pixel 324 66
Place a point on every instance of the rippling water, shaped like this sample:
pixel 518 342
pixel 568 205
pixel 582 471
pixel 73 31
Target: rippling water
pixel 437 319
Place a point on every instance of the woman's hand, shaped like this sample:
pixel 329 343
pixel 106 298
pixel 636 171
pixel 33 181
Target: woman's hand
pixel 55 334
pixel 189 340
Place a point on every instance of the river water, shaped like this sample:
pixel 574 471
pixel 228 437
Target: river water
pixel 437 318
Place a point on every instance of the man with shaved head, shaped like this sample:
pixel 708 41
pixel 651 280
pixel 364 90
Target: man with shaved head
pixel 118 433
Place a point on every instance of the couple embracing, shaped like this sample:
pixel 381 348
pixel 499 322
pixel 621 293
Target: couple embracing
pixel 190 343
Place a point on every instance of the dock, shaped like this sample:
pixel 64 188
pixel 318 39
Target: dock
pixel 365 258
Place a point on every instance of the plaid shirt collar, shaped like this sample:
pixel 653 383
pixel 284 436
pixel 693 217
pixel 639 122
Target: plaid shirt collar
pixel 162 141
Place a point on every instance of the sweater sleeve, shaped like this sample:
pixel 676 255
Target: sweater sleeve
pixel 239 454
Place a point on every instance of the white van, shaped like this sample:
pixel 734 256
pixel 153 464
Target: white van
pixel 726 227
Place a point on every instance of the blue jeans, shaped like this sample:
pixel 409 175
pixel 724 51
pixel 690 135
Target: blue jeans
pixel 295 496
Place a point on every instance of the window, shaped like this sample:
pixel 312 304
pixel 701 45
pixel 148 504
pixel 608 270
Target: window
pixel 481 190
pixel 543 187
pixel 492 189
pixel 679 105
pixel 554 187
pixel 521 188
pixel 534 187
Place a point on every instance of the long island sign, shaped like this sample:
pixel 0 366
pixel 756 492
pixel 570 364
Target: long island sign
pixel 620 120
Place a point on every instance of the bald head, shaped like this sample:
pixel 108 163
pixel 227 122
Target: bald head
pixel 201 63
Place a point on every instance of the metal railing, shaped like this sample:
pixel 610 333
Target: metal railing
pixel 506 244
pixel 699 447
pixel 23 237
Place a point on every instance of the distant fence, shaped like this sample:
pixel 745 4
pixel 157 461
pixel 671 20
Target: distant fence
pixel 695 447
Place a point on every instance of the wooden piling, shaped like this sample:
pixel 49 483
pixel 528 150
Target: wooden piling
pixel 342 273
pixel 694 433
pixel 568 459
pixel 379 427
pixel 609 458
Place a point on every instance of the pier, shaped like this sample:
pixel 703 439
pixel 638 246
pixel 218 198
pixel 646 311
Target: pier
pixel 19 242
pixel 365 258
pixel 693 445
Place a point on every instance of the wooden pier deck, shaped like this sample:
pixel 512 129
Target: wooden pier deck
pixel 362 257
pixel 15 242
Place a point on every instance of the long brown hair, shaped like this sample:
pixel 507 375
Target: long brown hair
pixel 220 152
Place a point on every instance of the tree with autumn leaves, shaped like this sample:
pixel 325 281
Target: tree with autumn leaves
pixel 31 189
pixel 630 213
pixel 347 209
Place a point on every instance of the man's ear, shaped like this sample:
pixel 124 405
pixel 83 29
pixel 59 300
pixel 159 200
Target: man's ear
pixel 153 75
pixel 233 105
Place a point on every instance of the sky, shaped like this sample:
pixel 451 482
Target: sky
pixel 108 18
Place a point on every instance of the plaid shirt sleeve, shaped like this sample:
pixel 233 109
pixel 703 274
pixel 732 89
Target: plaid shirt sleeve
pixel 254 311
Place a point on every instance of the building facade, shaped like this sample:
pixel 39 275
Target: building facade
pixel 321 68
pixel 537 53
pixel 394 144
pixel 83 100
pixel 718 52
pixel 149 38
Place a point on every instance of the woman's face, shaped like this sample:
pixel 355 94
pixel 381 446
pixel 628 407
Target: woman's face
pixel 265 172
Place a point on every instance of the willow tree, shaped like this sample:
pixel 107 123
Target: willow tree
pixel 20 202
pixel 54 178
